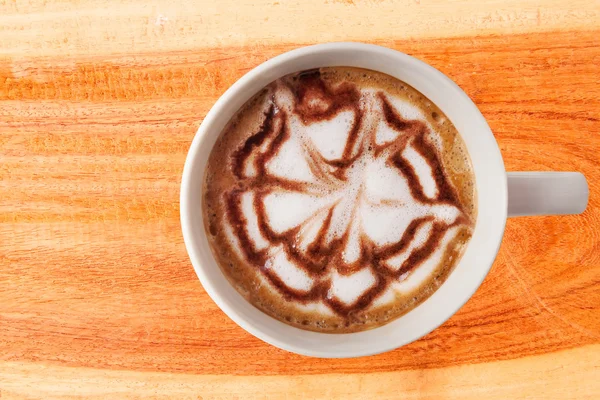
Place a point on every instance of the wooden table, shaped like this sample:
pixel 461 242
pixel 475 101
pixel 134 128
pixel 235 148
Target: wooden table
pixel 99 102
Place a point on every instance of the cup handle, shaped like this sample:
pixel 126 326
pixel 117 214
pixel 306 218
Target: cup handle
pixel 546 193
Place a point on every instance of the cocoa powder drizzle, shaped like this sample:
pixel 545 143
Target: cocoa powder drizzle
pixel 315 101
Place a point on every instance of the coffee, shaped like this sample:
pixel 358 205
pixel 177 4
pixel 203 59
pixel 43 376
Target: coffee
pixel 338 199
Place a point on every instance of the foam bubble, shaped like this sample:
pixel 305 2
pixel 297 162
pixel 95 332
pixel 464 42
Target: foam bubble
pixel 409 111
pixel 434 139
pixel 348 289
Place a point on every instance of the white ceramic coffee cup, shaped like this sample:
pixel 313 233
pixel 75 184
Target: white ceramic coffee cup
pixel 499 195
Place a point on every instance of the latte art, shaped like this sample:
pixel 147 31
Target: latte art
pixel 330 205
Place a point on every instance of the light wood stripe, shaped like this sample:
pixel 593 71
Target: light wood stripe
pixel 566 374
pixel 120 26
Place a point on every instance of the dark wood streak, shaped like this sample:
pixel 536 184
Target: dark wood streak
pixel 315 102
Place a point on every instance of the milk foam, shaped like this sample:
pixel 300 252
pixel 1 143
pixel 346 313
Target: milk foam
pixel 293 276
pixel 421 236
pixel 290 162
pixel 348 289
pixel 368 202
pixel 310 230
pixel 386 183
pixel 385 133
pixel 423 170
pixel 287 210
pixel 419 275
pixel 329 137
pixel 410 282
pixel 254 233
pixel 352 251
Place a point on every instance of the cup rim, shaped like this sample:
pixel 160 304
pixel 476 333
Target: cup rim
pixel 267 72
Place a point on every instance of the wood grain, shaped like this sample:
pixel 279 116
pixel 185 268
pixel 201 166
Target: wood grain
pixel 535 377
pixel 98 105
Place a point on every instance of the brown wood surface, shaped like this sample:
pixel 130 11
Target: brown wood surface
pixel 99 101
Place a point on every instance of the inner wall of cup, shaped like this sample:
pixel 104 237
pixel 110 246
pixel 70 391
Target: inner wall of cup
pixel 461 284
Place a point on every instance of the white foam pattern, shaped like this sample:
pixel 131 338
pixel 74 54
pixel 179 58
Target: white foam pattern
pixel 421 236
pixel 293 276
pixel 252 225
pixel 422 169
pixel 348 289
pixel 329 137
pixel 290 162
pixel 370 200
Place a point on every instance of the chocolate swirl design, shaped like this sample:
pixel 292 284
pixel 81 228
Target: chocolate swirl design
pixel 337 196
